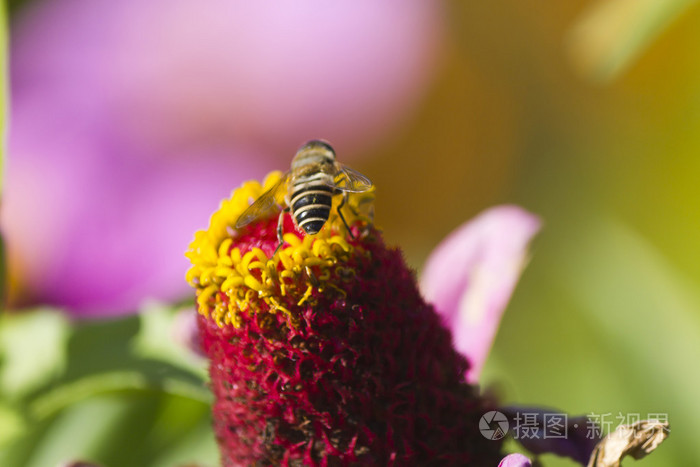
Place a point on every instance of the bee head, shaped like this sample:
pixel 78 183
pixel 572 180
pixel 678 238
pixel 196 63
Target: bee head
pixel 314 152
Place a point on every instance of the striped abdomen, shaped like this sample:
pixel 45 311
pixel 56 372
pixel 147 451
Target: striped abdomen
pixel 311 201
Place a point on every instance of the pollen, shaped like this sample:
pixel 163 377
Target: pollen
pixel 237 272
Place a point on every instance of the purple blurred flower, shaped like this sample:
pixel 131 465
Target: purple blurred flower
pixel 515 460
pixel 131 118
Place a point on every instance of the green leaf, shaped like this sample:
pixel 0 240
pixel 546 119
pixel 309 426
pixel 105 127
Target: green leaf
pixel 612 331
pixel 12 424
pixel 612 34
pixel 117 429
pixel 117 392
pixel 122 354
pixel 32 350
pixel 649 311
pixel 156 339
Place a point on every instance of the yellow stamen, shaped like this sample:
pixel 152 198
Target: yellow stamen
pixel 253 283
pixel 307 294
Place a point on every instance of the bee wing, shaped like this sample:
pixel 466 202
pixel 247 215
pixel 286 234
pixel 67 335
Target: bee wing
pixel 351 180
pixel 263 204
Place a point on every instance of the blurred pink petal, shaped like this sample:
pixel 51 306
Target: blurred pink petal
pixel 515 460
pixel 132 118
pixel 97 236
pixel 270 76
pixel 471 275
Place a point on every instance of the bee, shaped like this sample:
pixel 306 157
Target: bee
pixel 308 187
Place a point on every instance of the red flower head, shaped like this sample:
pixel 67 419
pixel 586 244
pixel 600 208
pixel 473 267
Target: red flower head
pixel 325 353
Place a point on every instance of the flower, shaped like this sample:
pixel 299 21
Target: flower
pixel 326 352
pixel 323 352
pixel 122 110
pixel 515 460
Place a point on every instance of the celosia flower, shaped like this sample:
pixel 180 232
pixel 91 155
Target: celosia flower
pixel 326 353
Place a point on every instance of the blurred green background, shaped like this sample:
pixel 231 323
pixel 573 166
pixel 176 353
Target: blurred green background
pixel 585 113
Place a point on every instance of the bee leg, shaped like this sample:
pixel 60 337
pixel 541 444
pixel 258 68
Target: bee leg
pixel 369 213
pixel 312 277
pixel 340 213
pixel 280 223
